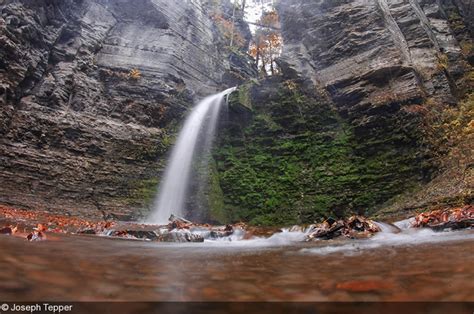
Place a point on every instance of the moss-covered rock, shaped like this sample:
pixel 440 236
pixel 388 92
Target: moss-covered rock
pixel 296 160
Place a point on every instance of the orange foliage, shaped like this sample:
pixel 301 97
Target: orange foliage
pixel 228 30
pixel 267 43
pixel 441 216
pixel 47 222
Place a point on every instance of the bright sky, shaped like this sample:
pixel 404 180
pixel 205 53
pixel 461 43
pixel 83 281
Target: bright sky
pixel 254 10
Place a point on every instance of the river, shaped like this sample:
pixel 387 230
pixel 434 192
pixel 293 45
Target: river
pixel 86 268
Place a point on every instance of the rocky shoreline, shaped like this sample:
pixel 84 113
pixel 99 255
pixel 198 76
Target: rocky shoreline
pixel 37 226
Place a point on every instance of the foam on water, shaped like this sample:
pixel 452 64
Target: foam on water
pixel 386 239
pixel 283 238
pixel 390 236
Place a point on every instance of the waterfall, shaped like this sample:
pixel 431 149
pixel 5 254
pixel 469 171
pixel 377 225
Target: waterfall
pixel 173 189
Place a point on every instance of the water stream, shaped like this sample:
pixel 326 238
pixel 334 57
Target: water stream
pixel 412 265
pixel 197 133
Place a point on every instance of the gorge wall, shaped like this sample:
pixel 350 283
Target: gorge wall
pixel 92 92
pixel 346 128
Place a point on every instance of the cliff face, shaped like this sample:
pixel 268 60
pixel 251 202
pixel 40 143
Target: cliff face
pixel 80 131
pixel 346 129
pixel 393 68
pixel 92 94
pixel 368 54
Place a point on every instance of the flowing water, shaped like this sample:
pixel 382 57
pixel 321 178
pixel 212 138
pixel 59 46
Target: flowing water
pixel 411 265
pixel 198 130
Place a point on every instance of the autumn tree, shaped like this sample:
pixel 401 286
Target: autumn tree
pixel 267 42
pixel 226 24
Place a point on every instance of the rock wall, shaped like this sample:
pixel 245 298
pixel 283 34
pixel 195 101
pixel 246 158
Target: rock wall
pixel 293 158
pixel 369 54
pixel 344 130
pixel 80 131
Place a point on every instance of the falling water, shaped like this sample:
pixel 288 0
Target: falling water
pixel 174 187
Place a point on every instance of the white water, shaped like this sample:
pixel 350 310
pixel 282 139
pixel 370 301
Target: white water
pixel 390 236
pixel 402 235
pixel 173 189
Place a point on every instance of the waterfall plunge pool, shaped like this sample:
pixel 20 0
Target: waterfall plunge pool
pixel 410 266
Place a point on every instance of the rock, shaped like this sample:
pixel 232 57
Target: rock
pixel 87 231
pixel 180 236
pixel 450 218
pixel 380 69
pixel 174 218
pixel 361 224
pixel 353 227
pixel 227 231
pixel 453 225
pixel 8 230
pixel 36 236
pixel 179 223
pixel 326 233
pixel 143 234
pixel 78 133
pixel 385 51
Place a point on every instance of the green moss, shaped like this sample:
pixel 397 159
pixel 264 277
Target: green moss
pixel 143 191
pixel 243 95
pixel 298 161
pixel 216 197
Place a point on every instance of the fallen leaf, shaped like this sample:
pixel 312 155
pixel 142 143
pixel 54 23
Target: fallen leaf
pixel 41 228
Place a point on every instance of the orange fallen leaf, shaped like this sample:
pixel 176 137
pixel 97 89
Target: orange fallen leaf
pixel 41 228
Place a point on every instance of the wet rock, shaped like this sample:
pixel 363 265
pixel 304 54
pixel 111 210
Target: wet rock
pixel 36 236
pixel 353 227
pixel 8 230
pixel 75 127
pixel 87 231
pixel 222 232
pixel 450 218
pixel 180 236
pixel 174 218
pixel 143 234
pixel 326 232
pixel 179 223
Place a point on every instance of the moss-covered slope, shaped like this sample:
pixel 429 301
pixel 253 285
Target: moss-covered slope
pixel 294 159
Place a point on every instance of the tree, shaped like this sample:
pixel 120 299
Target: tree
pixel 267 42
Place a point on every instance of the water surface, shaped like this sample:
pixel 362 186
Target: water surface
pixel 67 267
